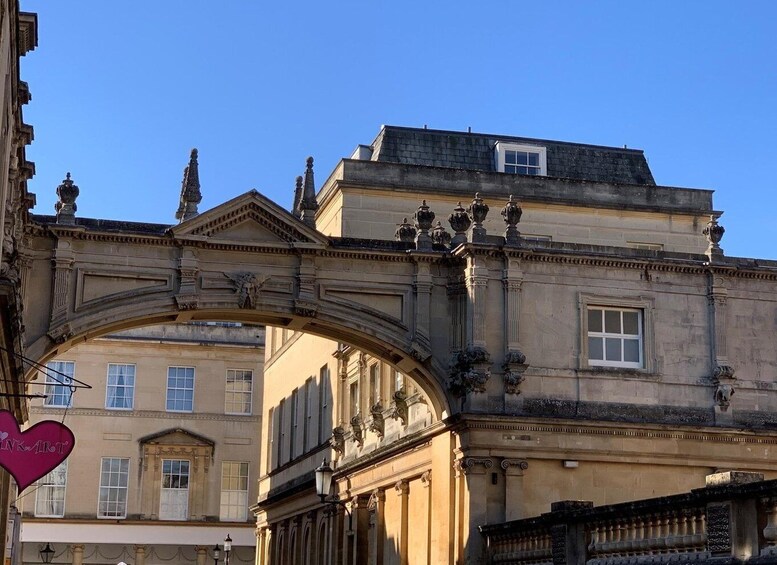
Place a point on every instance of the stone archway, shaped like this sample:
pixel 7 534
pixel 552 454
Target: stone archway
pixel 246 260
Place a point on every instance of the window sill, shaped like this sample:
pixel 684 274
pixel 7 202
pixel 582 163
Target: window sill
pixel 620 372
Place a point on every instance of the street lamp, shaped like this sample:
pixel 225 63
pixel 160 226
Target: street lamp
pixel 227 549
pixel 46 554
pixel 324 488
pixel 216 554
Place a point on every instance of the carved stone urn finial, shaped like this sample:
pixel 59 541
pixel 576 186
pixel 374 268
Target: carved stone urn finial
pixel 440 236
pixel 190 190
pixel 512 215
pixel 66 205
pixel 478 210
pixel 423 221
pixel 405 232
pixel 714 233
pixel 460 222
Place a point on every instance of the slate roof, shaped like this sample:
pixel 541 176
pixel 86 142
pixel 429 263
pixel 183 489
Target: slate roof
pixel 475 151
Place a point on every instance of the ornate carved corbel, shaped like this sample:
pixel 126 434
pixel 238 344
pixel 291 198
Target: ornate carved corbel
pixel 399 411
pixel 723 378
pixel 377 424
pixel 357 430
pixel 337 441
pixel 514 367
pixel 469 371
pixel 61 334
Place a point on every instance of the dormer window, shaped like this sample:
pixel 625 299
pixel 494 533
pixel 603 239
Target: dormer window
pixel 520 159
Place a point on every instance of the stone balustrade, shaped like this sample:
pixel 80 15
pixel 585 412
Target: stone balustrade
pixel 731 520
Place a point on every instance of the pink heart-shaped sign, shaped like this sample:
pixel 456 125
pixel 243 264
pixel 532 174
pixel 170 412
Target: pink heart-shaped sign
pixel 28 455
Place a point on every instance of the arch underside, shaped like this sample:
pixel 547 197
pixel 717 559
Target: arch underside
pixel 360 329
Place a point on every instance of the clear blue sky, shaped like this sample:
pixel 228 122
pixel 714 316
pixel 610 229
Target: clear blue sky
pixel 122 90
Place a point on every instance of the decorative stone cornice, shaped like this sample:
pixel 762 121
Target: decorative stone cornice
pixel 156 414
pixel 619 431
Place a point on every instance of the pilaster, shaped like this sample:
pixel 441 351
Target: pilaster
pixel 63 260
pixel 422 288
pixel 513 470
pixel 723 374
pixel 402 489
pixel 475 475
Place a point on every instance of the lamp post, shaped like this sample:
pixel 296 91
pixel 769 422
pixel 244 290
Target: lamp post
pixel 324 488
pixel 227 549
pixel 216 554
pixel 46 553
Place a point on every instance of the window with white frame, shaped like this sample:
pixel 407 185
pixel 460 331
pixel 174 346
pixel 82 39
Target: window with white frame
pixel 59 381
pixel 174 498
pixel 234 491
pixel 615 337
pixel 114 481
pixel 238 391
pixel 180 389
pixel 50 494
pixel 521 159
pixel 120 392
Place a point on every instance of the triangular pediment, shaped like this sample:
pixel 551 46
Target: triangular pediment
pixel 249 219
pixel 177 437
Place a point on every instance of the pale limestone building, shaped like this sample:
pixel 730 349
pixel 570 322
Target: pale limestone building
pixel 18 36
pixel 167 447
pixel 604 348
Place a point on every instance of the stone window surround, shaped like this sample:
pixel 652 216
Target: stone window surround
pixel 199 457
pixel 501 147
pixel 124 487
pixel 108 386
pixel 645 304
pixel 234 390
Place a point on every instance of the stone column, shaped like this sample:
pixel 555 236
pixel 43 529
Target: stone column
pixel 78 553
pixel 377 529
pixel 402 489
pixel 140 555
pixel 202 555
pixel 513 471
